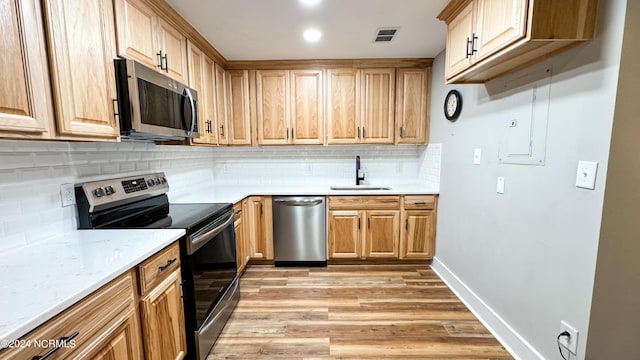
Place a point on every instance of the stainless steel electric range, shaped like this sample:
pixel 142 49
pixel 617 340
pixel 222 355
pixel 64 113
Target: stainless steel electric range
pixel 207 252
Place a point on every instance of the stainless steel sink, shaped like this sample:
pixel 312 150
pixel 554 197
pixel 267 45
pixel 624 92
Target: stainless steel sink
pixel 360 187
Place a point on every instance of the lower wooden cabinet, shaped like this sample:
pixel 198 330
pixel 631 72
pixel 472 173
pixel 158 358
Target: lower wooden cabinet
pixel 362 227
pixel 161 308
pixel 260 227
pixel 242 246
pixel 104 325
pixel 389 227
pixel 417 233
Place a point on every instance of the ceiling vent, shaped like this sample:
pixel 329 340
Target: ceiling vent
pixel 386 34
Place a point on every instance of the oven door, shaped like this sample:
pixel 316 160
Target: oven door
pixel 210 281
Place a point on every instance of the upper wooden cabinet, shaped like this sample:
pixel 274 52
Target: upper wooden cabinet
pixel 289 106
pixel 25 103
pixel 221 128
pixel 202 78
pixel 361 106
pixel 378 106
pixel 238 121
pixel 412 106
pixel 82 48
pixel 488 38
pixel 343 106
pixel 147 38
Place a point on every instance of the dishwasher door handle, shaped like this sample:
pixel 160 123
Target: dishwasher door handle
pixel 298 202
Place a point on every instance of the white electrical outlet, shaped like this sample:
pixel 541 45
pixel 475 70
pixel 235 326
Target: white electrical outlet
pixel 477 156
pixel 67 194
pixel 569 342
pixel 500 185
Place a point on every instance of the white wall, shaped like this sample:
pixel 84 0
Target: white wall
pixel 525 260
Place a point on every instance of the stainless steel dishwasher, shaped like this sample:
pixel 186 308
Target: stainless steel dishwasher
pixel 299 231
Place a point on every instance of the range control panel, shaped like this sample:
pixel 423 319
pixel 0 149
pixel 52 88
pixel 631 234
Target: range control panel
pixel 104 192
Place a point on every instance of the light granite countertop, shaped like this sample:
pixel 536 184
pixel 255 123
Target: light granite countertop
pixel 46 277
pixel 235 193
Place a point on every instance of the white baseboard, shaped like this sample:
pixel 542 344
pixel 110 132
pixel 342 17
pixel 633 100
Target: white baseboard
pixel 515 344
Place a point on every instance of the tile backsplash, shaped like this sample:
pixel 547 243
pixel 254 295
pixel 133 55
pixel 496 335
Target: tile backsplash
pixel 31 173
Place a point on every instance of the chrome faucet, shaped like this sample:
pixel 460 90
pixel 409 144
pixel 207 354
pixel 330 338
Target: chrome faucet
pixel 359 172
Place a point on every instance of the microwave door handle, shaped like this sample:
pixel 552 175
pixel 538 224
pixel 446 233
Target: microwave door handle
pixel 193 110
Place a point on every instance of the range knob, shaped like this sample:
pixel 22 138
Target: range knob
pixel 109 190
pixel 157 181
pixel 163 180
pixel 99 192
pixel 150 182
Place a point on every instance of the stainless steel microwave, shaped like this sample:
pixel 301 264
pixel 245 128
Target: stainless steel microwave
pixel 152 106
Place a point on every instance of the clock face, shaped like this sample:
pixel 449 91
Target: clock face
pixel 452 105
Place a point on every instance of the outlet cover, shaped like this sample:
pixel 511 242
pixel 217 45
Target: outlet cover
pixel 569 342
pixel 477 156
pixel 67 194
pixel 586 174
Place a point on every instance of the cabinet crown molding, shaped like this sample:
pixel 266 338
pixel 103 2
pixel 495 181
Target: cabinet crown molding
pixel 452 10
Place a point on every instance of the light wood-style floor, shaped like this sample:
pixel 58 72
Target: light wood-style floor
pixel 351 312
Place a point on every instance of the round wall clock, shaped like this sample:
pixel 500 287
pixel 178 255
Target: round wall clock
pixel 452 105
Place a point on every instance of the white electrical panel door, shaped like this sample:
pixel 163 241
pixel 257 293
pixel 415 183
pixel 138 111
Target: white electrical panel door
pixel 524 135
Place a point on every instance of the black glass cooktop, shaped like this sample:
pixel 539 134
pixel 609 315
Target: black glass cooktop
pixel 156 213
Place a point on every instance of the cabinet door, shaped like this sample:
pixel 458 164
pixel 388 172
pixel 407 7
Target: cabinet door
pixel 383 234
pixel 136 30
pixel 256 228
pixel 174 46
pixel 222 129
pixel 82 48
pixel 25 105
pixel 459 33
pixel 417 234
pixel 123 342
pixel 378 106
pixel 238 117
pixel 343 106
pixel 345 236
pixel 238 227
pixel 163 320
pixel 412 106
pixel 273 107
pixel 498 24
pixel 208 99
pixel 197 82
pixel 307 115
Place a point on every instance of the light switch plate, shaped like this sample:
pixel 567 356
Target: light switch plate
pixel 477 156
pixel 500 186
pixel 586 175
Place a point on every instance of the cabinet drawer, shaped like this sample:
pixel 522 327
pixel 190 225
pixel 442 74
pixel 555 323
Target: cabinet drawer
pixel 90 318
pixel 391 202
pixel 237 211
pixel 419 202
pixel 158 267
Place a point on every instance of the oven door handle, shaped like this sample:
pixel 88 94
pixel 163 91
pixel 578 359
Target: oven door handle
pixel 199 239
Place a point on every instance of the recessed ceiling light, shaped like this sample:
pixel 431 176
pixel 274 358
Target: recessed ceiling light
pixel 310 3
pixel 312 35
